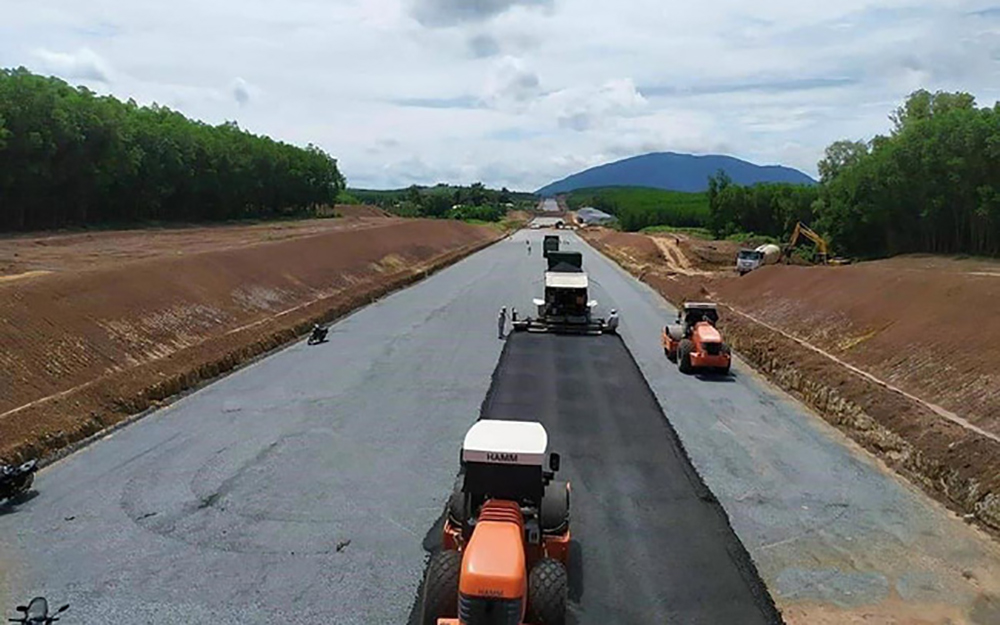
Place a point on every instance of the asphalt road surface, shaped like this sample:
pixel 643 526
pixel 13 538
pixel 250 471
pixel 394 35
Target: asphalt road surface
pixel 550 205
pixel 654 546
pixel 307 485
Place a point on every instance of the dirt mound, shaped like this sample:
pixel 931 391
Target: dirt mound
pixel 710 255
pixel 933 331
pixel 639 249
pixel 84 350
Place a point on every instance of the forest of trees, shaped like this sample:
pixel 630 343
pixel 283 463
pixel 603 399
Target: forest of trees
pixel 69 157
pixel 636 208
pixel 473 202
pixel 770 209
pixel 931 185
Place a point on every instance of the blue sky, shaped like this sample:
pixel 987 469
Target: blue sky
pixel 519 92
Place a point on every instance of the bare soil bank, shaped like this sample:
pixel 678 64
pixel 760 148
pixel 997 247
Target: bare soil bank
pixel 29 255
pixel 81 351
pixel 894 318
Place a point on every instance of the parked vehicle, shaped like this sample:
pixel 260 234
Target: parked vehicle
pixel 747 260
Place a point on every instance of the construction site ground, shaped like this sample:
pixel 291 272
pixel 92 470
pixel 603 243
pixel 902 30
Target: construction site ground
pixel 310 484
pixel 901 353
pixel 25 256
pixel 100 326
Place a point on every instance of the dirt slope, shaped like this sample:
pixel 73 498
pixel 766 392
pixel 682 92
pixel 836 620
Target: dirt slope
pixel 44 252
pixel 82 350
pixel 934 332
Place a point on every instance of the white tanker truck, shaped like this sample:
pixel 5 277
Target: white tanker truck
pixel 747 260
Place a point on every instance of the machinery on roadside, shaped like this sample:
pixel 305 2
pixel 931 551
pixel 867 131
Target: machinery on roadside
pixel 318 335
pixel 550 244
pixel 37 613
pixel 802 230
pixel 506 538
pixel 17 480
pixel 747 260
pixel 694 342
pixel 566 307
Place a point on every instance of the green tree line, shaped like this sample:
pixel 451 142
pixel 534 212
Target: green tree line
pixel 637 208
pixel 70 157
pixel 769 209
pixel 931 185
pixel 442 201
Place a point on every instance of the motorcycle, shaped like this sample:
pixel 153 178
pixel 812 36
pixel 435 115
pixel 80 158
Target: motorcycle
pixel 15 481
pixel 37 613
pixel 318 335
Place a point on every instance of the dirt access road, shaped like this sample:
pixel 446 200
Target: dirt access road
pixel 306 485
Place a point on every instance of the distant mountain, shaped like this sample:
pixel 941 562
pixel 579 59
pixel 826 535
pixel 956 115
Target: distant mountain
pixel 674 172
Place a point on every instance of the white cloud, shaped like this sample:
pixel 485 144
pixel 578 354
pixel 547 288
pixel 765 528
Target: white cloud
pixel 519 92
pixel 584 108
pixel 84 64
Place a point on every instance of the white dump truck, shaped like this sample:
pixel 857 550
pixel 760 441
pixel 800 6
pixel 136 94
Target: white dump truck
pixel 747 260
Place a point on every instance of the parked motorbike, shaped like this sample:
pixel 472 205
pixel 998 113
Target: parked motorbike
pixel 15 481
pixel 318 335
pixel 37 613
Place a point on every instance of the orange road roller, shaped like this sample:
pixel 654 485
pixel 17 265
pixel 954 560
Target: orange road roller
pixel 694 342
pixel 506 536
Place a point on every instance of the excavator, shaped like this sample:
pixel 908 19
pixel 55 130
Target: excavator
pixel 802 230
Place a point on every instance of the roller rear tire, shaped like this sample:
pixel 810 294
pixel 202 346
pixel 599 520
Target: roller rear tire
pixel 684 356
pixel 729 354
pixel 440 598
pixel 548 592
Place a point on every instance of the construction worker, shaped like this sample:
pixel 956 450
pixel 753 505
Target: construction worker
pixel 501 322
pixel 613 322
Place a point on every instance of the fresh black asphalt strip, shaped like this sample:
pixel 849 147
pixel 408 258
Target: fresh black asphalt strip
pixel 652 544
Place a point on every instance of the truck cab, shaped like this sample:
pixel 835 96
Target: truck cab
pixel 747 260
pixel 550 244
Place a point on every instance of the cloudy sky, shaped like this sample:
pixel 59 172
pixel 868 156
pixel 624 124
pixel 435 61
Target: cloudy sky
pixel 519 92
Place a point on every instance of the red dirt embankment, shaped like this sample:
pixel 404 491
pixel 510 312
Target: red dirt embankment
pixel 928 326
pixel 83 350
pixel 45 252
pixel 933 332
